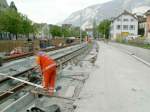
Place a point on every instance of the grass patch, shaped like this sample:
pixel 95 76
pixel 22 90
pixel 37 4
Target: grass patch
pixel 138 42
pixel 145 46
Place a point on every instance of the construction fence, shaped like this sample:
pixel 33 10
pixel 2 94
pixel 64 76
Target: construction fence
pixel 8 45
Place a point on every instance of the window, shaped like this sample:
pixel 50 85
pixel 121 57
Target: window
pixel 132 20
pixel 125 27
pixel 118 27
pixel 118 19
pixel 132 27
pixel 125 19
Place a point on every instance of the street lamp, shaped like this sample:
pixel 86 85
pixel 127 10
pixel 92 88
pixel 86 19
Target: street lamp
pixel 94 27
pixel 80 27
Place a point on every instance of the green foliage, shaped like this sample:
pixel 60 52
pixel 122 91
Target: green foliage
pixel 13 6
pixel 84 33
pixel 56 31
pixel 13 22
pixel 75 32
pixel 65 31
pixel 71 32
pixel 9 21
pixel 104 28
pixel 119 39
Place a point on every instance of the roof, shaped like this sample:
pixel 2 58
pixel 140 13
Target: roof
pixel 125 13
pixel 89 29
pixel 141 19
pixel 147 13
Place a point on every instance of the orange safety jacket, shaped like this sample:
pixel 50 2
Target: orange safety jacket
pixel 45 62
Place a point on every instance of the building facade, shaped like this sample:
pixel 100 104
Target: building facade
pixel 147 26
pixel 141 25
pixel 126 24
pixel 144 24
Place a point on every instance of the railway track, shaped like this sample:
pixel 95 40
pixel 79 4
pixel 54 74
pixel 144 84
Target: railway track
pixel 20 66
pixel 61 56
pixel 12 58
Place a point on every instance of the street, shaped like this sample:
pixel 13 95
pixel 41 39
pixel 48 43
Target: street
pixel 118 83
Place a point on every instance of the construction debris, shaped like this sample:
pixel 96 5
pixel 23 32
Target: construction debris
pixel 70 81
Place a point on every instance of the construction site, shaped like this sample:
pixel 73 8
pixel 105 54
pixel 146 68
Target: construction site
pixel 21 89
pixel 91 77
pixel 74 55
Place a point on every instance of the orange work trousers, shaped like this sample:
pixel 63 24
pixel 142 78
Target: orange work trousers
pixel 49 77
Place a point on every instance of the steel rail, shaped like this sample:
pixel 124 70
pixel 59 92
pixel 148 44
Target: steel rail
pixel 22 85
pixel 12 58
pixel 53 54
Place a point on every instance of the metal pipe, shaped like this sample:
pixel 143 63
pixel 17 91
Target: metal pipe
pixel 20 80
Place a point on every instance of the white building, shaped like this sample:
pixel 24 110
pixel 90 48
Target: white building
pixel 126 24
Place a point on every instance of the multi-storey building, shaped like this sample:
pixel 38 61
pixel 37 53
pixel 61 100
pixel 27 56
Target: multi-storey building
pixel 126 24
pixel 147 26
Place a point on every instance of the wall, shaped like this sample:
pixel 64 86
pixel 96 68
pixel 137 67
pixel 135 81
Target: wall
pixel 8 45
pixel 147 25
pixel 116 32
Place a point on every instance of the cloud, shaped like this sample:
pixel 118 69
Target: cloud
pixel 51 11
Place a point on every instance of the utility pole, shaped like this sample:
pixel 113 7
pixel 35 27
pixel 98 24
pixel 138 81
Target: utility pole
pixel 80 27
pixel 95 33
pixel 104 31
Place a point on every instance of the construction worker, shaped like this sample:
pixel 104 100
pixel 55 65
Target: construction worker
pixel 48 69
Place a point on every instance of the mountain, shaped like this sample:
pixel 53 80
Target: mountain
pixel 103 11
pixel 140 10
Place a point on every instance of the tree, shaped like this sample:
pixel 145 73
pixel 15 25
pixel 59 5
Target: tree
pixel 15 23
pixel 67 32
pixel 84 33
pixel 75 31
pixel 104 28
pixel 56 30
pixel 71 32
pixel 10 21
pixel 13 6
pixel 26 25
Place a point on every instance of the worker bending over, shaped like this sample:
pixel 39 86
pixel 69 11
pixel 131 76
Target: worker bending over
pixel 48 69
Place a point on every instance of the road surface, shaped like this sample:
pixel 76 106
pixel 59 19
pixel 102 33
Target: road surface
pixel 118 83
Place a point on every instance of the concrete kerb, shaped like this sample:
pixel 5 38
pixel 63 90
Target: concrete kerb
pixel 136 57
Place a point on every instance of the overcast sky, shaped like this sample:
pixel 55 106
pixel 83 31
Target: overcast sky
pixel 52 11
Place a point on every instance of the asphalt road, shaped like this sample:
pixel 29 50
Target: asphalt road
pixel 140 52
pixel 118 83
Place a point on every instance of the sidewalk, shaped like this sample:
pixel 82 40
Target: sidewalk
pixel 119 83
